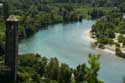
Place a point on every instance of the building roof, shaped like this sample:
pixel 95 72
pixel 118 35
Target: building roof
pixel 12 18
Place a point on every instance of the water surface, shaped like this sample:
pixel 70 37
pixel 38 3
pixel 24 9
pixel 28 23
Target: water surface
pixel 69 44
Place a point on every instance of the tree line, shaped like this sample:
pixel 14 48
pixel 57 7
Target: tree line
pixel 106 29
pixel 36 69
pixel 35 15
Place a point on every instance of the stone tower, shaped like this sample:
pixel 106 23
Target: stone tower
pixel 11 46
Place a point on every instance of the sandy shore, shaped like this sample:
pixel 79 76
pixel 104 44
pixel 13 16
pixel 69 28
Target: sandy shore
pixel 87 35
pixel 109 51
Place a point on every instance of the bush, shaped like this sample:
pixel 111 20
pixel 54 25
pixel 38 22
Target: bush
pixel 121 38
pixel 119 53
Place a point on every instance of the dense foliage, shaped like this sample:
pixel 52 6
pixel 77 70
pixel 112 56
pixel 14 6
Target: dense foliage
pixel 34 14
pixel 106 27
pixel 36 69
pixel 2 37
pixel 3 71
pixel 110 30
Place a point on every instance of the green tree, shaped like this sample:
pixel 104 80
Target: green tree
pixel 52 69
pixel 92 69
pixel 80 73
pixel 121 38
pixel 64 74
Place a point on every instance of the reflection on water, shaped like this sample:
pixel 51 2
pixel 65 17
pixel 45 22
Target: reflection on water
pixel 69 44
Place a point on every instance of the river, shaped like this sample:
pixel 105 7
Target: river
pixel 70 45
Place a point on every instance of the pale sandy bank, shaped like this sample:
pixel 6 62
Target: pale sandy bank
pixel 87 36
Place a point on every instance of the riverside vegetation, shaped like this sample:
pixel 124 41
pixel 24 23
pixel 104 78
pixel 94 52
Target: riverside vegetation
pixel 36 69
pixel 34 14
pixel 110 31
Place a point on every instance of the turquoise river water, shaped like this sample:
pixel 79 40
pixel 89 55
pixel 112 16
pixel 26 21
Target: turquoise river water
pixel 70 45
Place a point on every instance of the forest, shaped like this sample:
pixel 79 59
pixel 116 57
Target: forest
pixel 36 69
pixel 110 30
pixel 106 27
pixel 35 14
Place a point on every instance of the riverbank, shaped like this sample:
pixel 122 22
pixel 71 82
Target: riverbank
pixel 92 40
pixel 87 35
pixel 68 43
